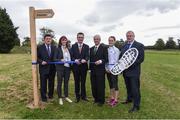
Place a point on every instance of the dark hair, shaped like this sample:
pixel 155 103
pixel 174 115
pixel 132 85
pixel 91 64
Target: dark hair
pixel 62 38
pixel 47 35
pixel 80 33
pixel 113 38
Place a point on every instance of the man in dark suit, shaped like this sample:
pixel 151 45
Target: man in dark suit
pixel 45 54
pixel 98 58
pixel 80 54
pixel 132 74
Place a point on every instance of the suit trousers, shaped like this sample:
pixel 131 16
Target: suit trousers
pixel 98 85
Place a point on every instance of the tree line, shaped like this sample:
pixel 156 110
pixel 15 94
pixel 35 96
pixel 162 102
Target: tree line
pixel 161 45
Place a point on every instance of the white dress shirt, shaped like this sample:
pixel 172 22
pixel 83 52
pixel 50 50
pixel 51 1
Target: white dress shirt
pixel 66 56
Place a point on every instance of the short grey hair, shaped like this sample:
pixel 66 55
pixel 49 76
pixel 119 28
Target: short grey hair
pixel 130 31
pixel 97 35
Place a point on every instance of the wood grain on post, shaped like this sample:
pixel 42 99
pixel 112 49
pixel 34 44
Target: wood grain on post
pixel 34 55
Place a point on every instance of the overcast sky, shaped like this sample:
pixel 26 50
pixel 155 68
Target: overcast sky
pixel 149 19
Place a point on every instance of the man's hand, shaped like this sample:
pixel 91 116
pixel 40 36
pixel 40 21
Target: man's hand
pixel 108 71
pixel 83 61
pixel 62 60
pixel 98 62
pixel 77 61
pixel 44 63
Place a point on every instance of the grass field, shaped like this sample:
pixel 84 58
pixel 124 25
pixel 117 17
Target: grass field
pixel 160 90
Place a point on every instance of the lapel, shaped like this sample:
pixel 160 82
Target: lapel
pixel 92 51
pixel 77 48
pixel 134 44
pixel 52 50
pixel 60 52
pixel 82 49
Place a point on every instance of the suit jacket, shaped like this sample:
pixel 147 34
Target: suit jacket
pixel 42 55
pixel 135 69
pixel 83 55
pixel 101 54
pixel 58 56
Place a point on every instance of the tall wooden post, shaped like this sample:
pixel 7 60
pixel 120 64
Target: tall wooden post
pixel 34 55
pixel 33 15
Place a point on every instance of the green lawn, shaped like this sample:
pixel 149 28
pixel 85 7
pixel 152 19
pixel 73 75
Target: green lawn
pixel 160 90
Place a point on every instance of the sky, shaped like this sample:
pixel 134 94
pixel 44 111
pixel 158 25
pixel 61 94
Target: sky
pixel 149 19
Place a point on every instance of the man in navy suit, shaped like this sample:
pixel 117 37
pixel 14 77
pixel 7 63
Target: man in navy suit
pixel 80 54
pixel 45 54
pixel 132 74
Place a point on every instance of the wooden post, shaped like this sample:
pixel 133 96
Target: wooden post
pixel 33 15
pixel 34 55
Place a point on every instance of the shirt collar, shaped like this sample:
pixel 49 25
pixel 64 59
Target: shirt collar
pixel 111 46
pixel 97 46
pixel 131 42
pixel 80 44
pixel 47 45
pixel 63 46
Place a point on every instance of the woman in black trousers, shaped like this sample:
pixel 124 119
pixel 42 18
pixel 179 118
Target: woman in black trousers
pixel 63 54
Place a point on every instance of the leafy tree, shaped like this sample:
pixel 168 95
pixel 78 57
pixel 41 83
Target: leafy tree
pixel 170 44
pixel 119 43
pixel 159 45
pixel 26 42
pixel 44 31
pixel 8 36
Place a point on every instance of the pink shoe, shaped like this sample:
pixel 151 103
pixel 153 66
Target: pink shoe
pixel 110 101
pixel 114 103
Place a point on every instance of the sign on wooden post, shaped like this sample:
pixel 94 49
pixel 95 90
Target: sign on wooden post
pixel 45 13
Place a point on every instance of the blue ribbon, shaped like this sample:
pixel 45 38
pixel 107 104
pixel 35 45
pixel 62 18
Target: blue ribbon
pixel 69 62
pixel 50 63
pixel 106 64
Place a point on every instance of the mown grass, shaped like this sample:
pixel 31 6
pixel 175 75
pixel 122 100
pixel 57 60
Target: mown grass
pixel 160 89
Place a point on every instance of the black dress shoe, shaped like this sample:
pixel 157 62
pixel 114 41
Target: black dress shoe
pixel 100 104
pixel 85 99
pixel 134 109
pixel 95 102
pixel 44 100
pixel 77 100
pixel 127 102
pixel 50 97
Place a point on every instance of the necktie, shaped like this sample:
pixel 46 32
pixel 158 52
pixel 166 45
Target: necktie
pixel 80 48
pixel 48 50
pixel 127 46
pixel 95 50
